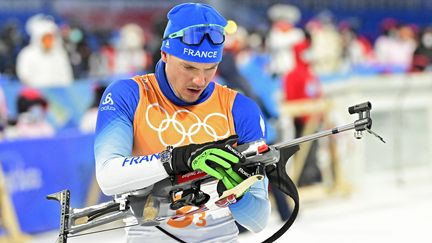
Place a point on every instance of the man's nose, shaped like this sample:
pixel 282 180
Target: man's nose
pixel 199 80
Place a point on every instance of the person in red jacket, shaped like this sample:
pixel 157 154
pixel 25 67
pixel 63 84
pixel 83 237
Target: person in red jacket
pixel 301 84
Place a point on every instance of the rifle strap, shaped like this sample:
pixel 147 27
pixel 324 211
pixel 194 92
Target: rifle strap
pixel 294 196
pixel 169 234
pixel 280 179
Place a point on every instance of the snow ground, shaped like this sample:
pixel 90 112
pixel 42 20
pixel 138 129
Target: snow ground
pixel 386 208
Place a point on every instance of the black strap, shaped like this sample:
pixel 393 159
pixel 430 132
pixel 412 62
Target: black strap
pixel 291 219
pixel 166 159
pixel 280 179
pixel 286 226
pixel 170 235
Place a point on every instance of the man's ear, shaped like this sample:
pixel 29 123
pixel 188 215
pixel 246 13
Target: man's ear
pixel 164 56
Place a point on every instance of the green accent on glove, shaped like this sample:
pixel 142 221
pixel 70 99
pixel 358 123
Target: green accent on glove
pixel 234 176
pixel 228 181
pixel 215 156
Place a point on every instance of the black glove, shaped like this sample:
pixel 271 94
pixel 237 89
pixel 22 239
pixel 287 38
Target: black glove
pixel 205 157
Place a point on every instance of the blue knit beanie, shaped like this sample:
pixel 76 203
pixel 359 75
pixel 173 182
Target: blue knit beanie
pixel 185 15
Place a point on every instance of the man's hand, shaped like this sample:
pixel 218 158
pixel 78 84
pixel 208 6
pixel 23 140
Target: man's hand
pixel 215 161
pixel 232 177
pixel 206 157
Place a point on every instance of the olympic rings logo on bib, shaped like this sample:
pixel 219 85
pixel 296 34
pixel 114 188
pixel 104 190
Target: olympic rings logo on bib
pixel 185 124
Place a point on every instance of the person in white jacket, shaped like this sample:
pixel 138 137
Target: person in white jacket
pixel 282 37
pixel 44 62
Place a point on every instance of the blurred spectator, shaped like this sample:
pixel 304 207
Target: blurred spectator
pixel 102 62
pixel 302 84
pixel 228 70
pixel 422 58
pixel 31 120
pixel 44 62
pixel 11 42
pixel 157 29
pixel 326 45
pixel 407 45
pixel 252 64
pixel 395 47
pixel 131 57
pixel 357 51
pixel 3 113
pixel 282 36
pixel 76 44
pixel 88 121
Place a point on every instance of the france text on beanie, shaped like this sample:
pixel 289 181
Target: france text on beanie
pixel 186 15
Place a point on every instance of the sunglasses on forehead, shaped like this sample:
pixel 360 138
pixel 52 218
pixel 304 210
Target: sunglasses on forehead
pixel 194 35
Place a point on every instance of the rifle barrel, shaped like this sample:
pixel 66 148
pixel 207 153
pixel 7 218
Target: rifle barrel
pixel 314 136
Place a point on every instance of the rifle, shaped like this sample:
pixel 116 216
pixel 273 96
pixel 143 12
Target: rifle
pixel 184 190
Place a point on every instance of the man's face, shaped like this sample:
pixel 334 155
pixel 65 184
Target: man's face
pixel 47 41
pixel 188 79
